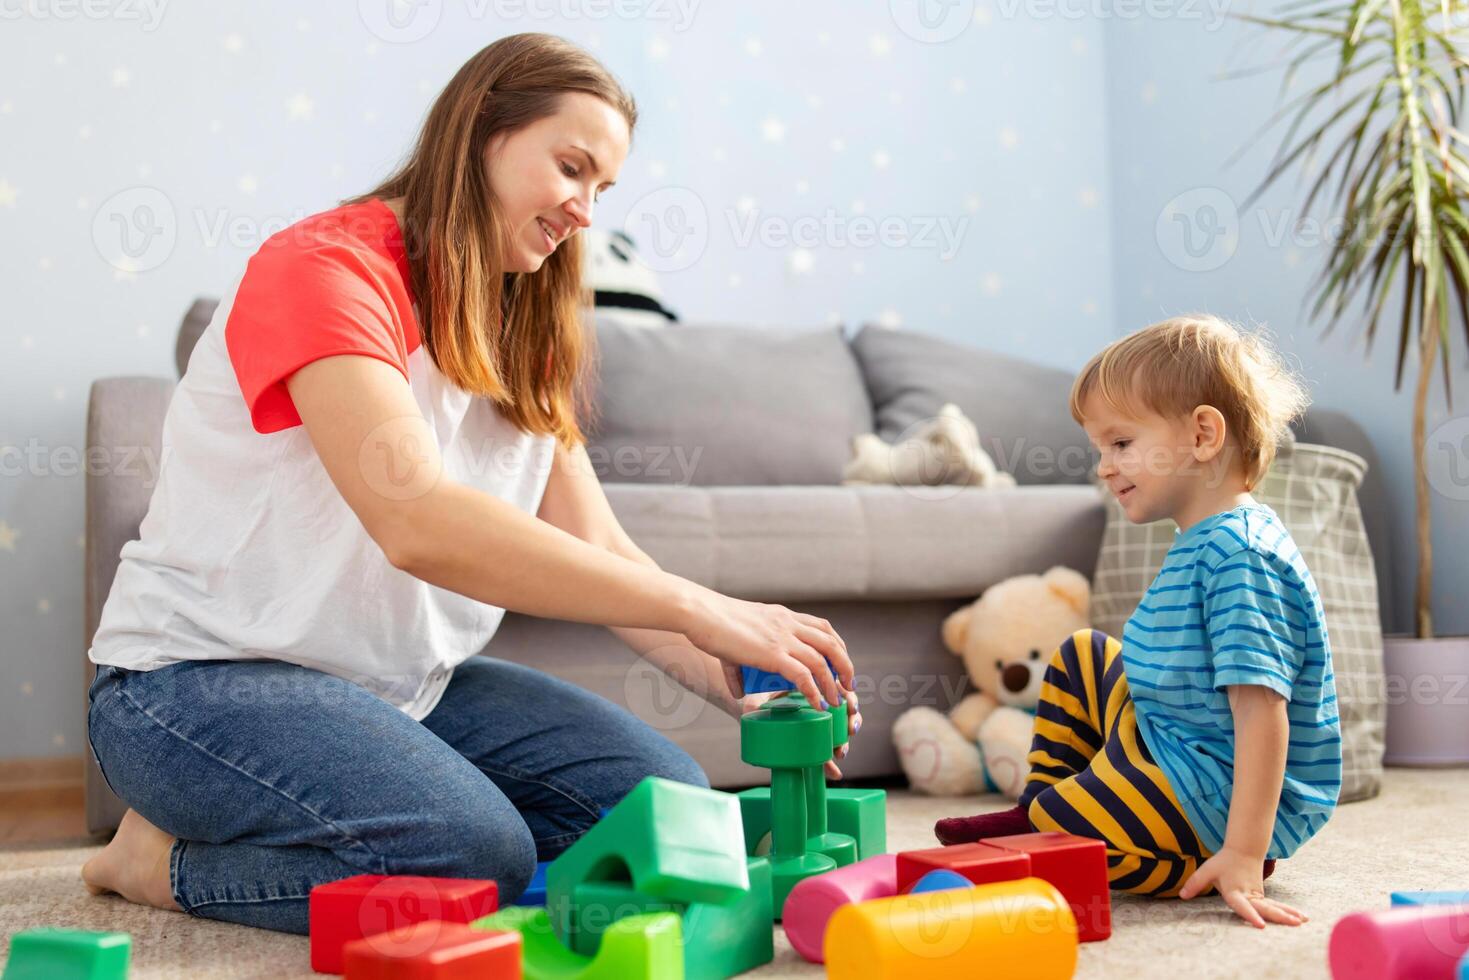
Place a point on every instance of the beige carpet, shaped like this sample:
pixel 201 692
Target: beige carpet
pixel 1410 837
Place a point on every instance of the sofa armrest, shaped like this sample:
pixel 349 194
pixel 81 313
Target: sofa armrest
pixel 124 439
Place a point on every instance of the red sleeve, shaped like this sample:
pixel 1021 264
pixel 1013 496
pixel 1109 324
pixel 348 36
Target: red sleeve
pixel 301 301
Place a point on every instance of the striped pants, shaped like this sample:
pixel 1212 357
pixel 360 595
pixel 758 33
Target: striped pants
pixel 1092 775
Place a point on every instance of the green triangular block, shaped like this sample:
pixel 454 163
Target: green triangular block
pixel 667 840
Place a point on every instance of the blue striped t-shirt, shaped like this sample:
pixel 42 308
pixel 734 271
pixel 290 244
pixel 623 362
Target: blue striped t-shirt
pixel 1235 604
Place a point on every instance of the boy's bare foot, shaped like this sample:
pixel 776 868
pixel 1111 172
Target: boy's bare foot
pixel 134 864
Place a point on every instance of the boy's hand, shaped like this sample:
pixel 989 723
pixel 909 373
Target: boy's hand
pixel 751 702
pixel 1241 883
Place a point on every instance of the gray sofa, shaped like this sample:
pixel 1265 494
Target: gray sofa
pixel 721 449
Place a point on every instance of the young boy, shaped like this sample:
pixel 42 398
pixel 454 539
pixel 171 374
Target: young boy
pixel 1206 744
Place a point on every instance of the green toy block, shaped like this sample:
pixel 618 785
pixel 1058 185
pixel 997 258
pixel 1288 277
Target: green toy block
pixel 73 954
pixel 666 840
pixel 793 740
pixel 639 947
pixel 719 939
pixel 858 813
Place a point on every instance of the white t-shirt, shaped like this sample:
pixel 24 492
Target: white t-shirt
pixel 248 551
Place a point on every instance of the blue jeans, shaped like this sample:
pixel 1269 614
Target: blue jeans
pixel 276 778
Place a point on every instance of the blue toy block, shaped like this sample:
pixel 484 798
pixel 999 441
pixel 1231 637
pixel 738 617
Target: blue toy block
pixel 759 681
pixel 1430 898
pixel 1464 968
pixel 941 879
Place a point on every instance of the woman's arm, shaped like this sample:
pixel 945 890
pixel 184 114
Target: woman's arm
pixel 381 455
pixel 575 502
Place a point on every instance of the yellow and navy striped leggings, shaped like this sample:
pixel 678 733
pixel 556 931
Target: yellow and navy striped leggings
pixel 1092 775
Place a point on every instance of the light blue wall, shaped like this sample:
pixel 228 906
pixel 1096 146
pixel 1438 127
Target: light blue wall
pixel 1175 119
pixel 1025 132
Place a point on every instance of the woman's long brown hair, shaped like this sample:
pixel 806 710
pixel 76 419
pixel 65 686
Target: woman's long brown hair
pixel 515 338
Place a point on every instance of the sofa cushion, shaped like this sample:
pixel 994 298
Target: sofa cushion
pixel 1019 407
pixel 788 544
pixel 724 406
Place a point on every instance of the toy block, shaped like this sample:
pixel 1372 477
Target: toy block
pixel 639 947
pixel 76 954
pixel 434 950
pixel 1430 898
pixel 1021 928
pixel 979 863
pixel 535 892
pixel 940 880
pixel 1410 941
pixel 719 939
pixel 1075 865
pixel 365 905
pixel 860 814
pixel 813 902
pixel 667 840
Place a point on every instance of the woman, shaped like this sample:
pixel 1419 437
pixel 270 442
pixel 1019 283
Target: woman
pixel 373 454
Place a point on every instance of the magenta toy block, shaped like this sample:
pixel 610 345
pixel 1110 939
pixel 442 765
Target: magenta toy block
pixel 1410 942
pixel 812 903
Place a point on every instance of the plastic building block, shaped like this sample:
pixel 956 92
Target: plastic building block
pixel 793 740
pixel 1404 943
pixel 76 954
pixel 939 880
pixel 1075 865
pixel 365 905
pixel 667 840
pixel 639 947
pixel 719 939
pixel 813 902
pixel 535 892
pixel 1021 928
pixel 1430 898
pixel 979 863
pixel 759 681
pixel 434 950
pixel 860 814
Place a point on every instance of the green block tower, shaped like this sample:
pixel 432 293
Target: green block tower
pixel 794 740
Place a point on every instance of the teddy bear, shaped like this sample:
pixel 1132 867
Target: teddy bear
pixel 942 450
pixel 1005 638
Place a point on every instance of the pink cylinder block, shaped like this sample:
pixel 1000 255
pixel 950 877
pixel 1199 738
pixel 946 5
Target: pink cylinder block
pixel 1404 943
pixel 812 903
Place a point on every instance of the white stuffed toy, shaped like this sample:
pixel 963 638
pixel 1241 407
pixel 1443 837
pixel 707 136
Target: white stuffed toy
pixel 623 287
pixel 943 450
pixel 1006 638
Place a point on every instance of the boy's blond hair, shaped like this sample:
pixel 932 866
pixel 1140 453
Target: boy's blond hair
pixel 1173 366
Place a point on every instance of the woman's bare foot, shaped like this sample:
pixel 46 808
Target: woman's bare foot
pixel 135 864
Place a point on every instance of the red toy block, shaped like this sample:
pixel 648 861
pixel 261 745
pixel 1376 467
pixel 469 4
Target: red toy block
pixel 365 905
pixel 979 862
pixel 1077 866
pixel 435 950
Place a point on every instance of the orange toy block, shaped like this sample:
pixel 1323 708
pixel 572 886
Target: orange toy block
pixel 1077 866
pixel 365 905
pixel 434 950
pixel 979 863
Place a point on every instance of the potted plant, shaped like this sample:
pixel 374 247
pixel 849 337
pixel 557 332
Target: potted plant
pixel 1386 124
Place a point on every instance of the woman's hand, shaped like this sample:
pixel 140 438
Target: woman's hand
pixel 794 645
pixel 1241 883
pixel 752 702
